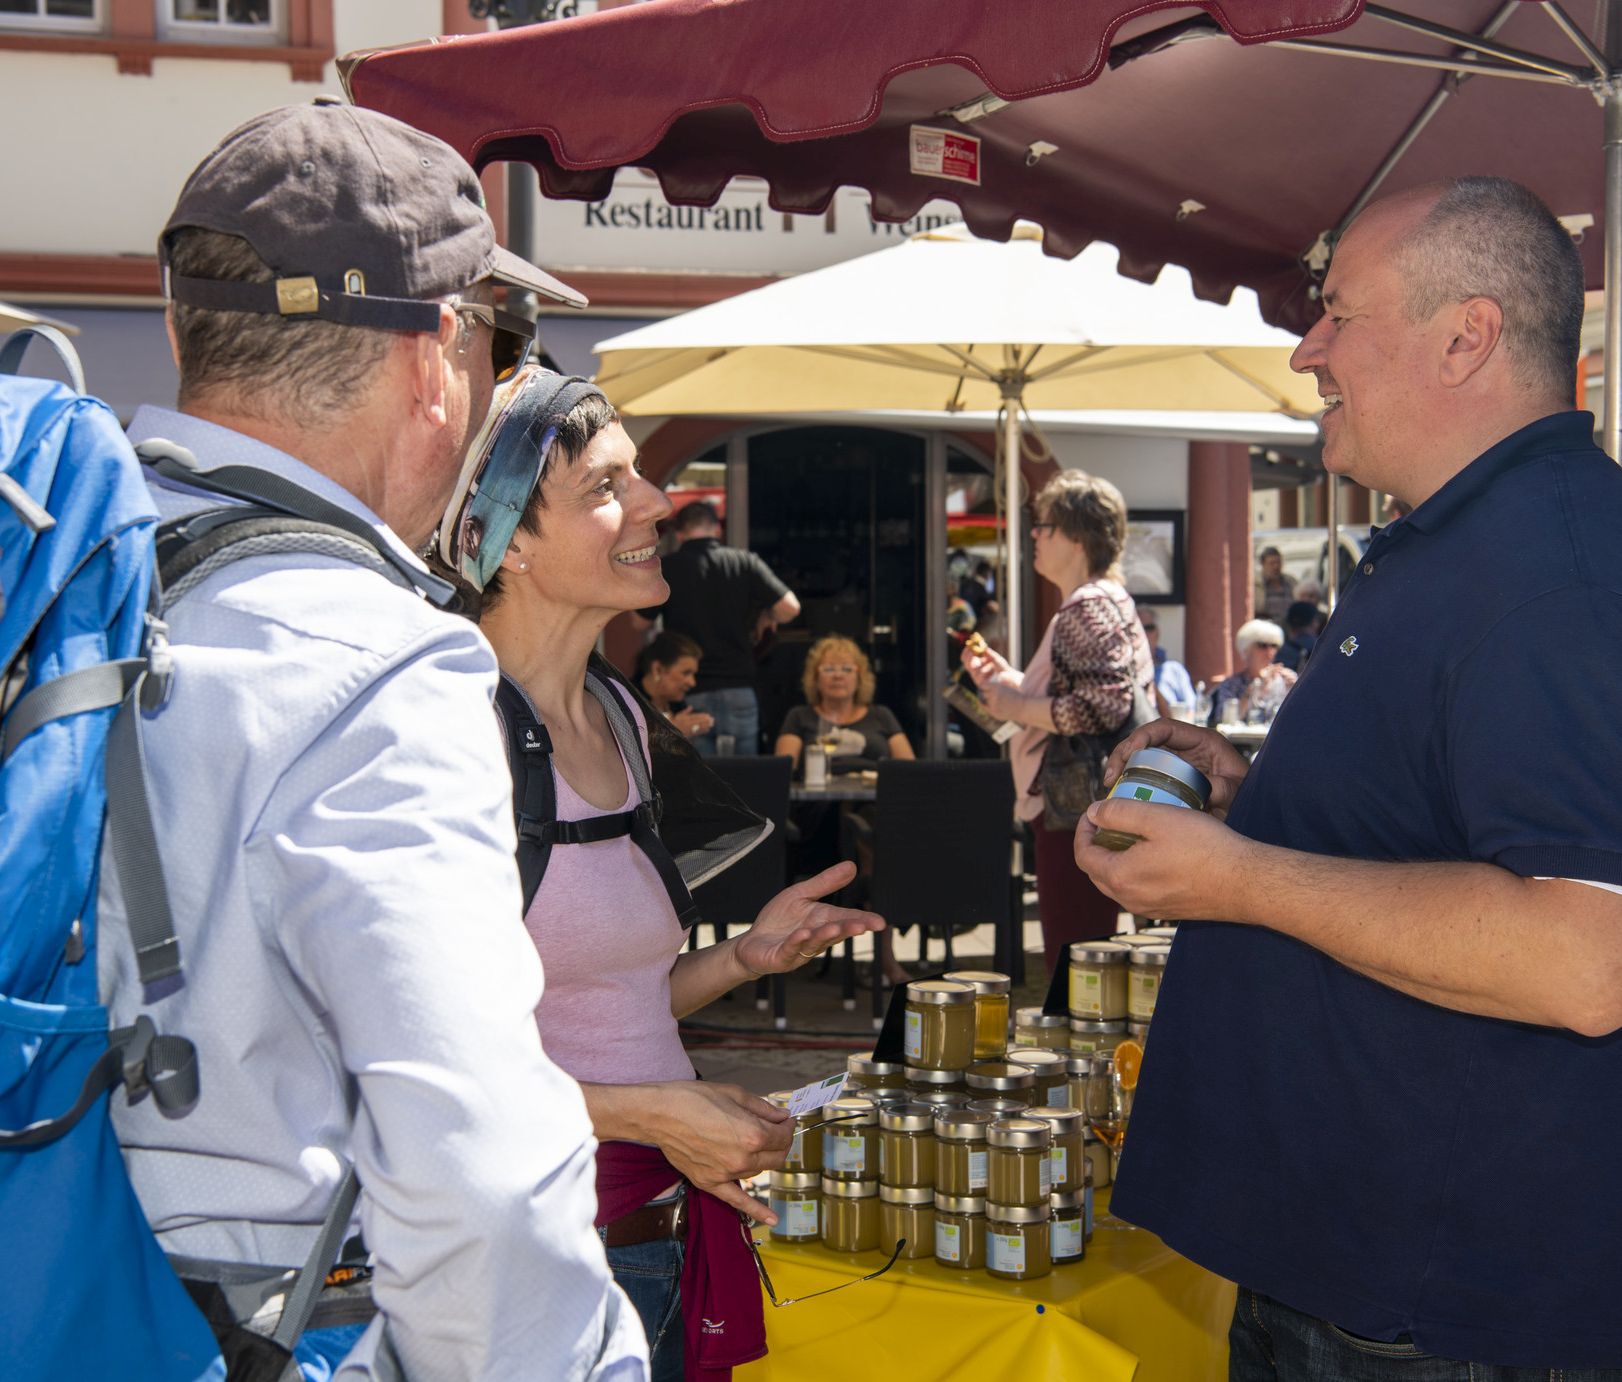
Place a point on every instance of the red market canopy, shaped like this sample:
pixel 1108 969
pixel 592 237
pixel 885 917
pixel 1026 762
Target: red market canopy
pixel 812 95
pixel 1231 137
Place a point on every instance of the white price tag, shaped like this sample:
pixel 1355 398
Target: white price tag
pixel 814 1096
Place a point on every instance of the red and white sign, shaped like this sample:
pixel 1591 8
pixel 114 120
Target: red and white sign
pixel 945 154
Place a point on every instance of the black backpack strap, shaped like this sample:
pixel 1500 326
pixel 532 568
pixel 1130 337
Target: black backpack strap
pixel 535 796
pixel 645 822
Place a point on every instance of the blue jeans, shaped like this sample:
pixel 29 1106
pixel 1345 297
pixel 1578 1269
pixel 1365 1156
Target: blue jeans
pixel 1269 1342
pixel 737 712
pixel 650 1275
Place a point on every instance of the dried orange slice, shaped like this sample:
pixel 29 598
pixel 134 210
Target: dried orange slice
pixel 1128 1062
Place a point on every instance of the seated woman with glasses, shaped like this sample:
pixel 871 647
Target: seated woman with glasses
pixel 666 670
pixel 554 523
pixel 839 713
pixel 839 710
pixel 1260 683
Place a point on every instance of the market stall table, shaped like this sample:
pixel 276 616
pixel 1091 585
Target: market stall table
pixel 1132 1311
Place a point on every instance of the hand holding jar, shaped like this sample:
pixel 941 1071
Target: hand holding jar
pixel 1204 749
pixel 1184 866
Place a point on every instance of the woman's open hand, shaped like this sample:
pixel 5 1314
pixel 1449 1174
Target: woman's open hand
pixel 796 925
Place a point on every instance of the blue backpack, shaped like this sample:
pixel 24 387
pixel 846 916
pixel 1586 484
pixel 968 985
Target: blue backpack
pixel 83 657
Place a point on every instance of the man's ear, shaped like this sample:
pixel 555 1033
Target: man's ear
pixel 1475 330
pixel 429 365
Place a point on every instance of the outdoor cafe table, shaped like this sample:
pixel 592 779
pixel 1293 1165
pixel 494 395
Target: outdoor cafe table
pixel 1131 1311
pixel 848 787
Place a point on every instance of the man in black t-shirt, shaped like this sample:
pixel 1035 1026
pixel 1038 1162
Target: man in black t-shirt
pixel 718 597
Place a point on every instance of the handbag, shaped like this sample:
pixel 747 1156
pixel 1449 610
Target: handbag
pixel 1072 773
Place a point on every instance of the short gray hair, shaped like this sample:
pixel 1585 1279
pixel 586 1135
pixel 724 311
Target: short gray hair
pixel 303 369
pixel 1254 631
pixel 1492 238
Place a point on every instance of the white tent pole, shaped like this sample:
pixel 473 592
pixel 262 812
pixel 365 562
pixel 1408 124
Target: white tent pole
pixel 1332 522
pixel 1011 522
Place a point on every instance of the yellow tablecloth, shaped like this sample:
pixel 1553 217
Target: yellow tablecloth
pixel 1131 1311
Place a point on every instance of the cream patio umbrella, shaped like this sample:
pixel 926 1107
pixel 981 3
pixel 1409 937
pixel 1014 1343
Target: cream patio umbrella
pixel 950 322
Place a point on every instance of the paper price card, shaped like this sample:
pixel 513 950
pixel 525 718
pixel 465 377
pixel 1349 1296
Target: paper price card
pixel 814 1096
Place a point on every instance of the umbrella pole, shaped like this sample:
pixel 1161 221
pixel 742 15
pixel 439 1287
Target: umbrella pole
pixel 1612 433
pixel 1332 521
pixel 1011 523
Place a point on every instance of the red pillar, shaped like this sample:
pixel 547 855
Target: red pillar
pixel 1220 582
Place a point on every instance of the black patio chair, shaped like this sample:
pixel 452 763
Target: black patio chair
pixel 735 897
pixel 941 855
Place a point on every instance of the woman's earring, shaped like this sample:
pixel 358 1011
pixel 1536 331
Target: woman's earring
pixel 523 566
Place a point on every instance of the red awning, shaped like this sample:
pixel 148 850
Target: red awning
pixel 1230 158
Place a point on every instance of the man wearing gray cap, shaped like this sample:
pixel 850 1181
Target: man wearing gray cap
pixel 334 811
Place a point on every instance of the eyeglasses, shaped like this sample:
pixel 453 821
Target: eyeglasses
pixel 1151 628
pixel 511 337
pixel 1040 529
pixel 1271 647
pixel 837 667
pixel 771 1291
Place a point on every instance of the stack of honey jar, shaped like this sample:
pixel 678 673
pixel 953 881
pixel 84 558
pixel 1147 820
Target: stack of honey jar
pixel 976 1156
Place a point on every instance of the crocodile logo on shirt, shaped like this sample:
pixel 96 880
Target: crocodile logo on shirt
pixel 1349 645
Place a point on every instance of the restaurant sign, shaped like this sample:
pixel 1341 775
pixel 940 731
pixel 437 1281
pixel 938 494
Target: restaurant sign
pixel 635 228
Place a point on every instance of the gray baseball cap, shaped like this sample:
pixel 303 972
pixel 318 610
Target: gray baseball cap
pixel 362 218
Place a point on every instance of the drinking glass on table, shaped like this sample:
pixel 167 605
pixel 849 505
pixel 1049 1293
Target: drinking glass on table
pixel 1109 1110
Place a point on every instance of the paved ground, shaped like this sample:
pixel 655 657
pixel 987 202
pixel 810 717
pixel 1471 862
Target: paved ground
pixel 733 1042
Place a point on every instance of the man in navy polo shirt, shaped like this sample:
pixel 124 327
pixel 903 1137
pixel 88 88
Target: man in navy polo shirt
pixel 1386 1089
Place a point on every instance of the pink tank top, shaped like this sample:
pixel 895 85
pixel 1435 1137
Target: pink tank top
pixel 607 937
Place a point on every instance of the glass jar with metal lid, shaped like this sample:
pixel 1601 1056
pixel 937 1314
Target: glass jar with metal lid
pixel 921 1081
pixel 850 1215
pixel 1163 933
pixel 805 1151
pixel 1049 1067
pixel 1139 1032
pixel 796 1199
pixel 1160 776
pixel 907 1146
pixel 862 1071
pixel 1018 1170
pixel 1097 1154
pixel 1148 973
pixel 1000 1108
pixel 1138 939
pixel 907 1212
pixel 938 1028
pixel 990 1010
pixel 960 1151
pixel 939 1099
pixel 1090 1037
pixel 1065 1156
pixel 850 1139
pixel 1076 1070
pixel 889 1094
pixel 960 1231
pixel 1067 1227
pixel 1098 980
pixel 1087 1195
pixel 1017 1244
pixel 1000 1079
pixel 1033 1027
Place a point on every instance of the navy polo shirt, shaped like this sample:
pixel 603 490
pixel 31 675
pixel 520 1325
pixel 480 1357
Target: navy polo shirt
pixel 1389 1165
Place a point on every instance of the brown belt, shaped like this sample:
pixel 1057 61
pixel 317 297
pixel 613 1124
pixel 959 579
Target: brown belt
pixel 649 1224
